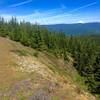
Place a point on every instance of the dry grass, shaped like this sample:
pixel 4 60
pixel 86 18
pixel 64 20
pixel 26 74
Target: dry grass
pixel 8 75
pixel 51 78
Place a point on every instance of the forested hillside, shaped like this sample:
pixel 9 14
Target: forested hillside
pixel 85 50
pixel 76 29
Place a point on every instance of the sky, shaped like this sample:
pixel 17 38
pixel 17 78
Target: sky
pixel 51 11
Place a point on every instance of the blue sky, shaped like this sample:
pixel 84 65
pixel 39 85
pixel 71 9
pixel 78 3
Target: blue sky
pixel 51 11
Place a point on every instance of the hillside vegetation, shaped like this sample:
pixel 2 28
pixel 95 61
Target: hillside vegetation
pixel 83 52
pixel 76 29
pixel 28 75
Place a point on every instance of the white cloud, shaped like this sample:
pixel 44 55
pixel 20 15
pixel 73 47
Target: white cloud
pixel 53 16
pixel 46 17
pixel 82 7
pixel 21 3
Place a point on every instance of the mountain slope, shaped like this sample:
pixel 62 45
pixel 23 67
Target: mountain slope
pixel 76 29
pixel 26 74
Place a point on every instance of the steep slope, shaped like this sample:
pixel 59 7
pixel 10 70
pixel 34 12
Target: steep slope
pixel 26 74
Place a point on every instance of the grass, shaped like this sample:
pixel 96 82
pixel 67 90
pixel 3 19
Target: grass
pixel 80 82
pixel 8 82
pixel 98 97
pixel 20 95
pixel 21 52
pixel 35 54
pixel 55 98
pixel 55 67
pixel 10 77
pixel 75 78
pixel 6 98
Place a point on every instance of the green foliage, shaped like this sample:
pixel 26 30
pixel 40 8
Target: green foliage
pixel 84 49
pixel 21 52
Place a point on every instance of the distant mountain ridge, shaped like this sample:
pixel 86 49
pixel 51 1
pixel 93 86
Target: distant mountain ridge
pixel 76 29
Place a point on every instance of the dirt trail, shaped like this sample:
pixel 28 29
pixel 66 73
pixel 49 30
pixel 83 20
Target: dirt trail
pixel 5 56
pixel 5 60
pixel 8 75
